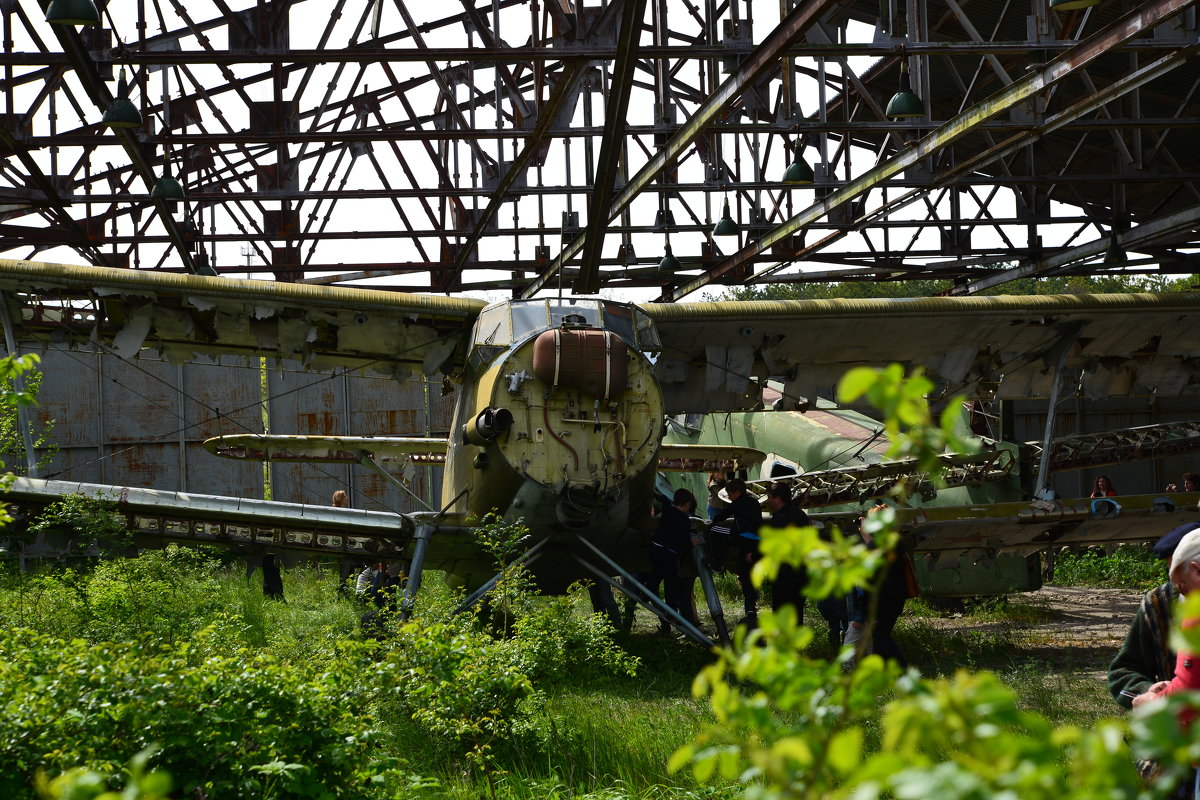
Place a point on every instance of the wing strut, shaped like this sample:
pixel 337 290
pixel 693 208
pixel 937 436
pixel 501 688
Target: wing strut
pixel 366 461
pixel 420 545
pixel 1058 352
pixel 634 589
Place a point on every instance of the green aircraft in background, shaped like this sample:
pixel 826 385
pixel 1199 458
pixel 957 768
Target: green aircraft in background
pixel 985 531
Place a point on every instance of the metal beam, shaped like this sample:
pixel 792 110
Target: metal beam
pixel 1148 233
pixel 620 87
pixel 1133 24
pixel 86 71
pixel 562 90
pixel 772 48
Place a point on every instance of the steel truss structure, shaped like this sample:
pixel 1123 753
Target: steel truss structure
pixel 536 145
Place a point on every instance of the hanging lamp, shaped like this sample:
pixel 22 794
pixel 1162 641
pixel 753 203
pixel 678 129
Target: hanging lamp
pixel 669 262
pixel 167 187
pixel 799 171
pixel 904 103
pixel 72 12
pixel 121 112
pixel 725 225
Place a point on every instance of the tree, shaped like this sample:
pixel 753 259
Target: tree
pixel 1063 284
pixel 12 446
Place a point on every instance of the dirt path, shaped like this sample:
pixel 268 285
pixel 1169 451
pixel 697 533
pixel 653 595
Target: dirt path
pixel 1091 617
pixel 1070 629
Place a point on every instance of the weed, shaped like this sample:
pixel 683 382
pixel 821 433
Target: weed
pixel 1130 566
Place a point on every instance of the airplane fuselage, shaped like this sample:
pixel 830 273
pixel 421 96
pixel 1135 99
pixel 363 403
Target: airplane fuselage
pixel 558 423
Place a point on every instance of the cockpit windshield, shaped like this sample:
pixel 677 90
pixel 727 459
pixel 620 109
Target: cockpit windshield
pixel 503 324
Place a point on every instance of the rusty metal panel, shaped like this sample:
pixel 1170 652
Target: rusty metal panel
pixel 217 399
pixel 1091 416
pixel 332 403
pixel 141 423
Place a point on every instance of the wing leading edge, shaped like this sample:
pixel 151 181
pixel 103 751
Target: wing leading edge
pixel 1118 343
pixel 389 333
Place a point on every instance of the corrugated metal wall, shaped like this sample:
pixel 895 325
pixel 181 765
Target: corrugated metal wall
pixel 1092 416
pixel 141 423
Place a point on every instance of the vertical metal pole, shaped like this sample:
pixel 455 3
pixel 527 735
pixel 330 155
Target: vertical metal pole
pixel 179 398
pixel 346 429
pixel 1059 354
pixel 101 428
pixel 10 342
pixel 421 543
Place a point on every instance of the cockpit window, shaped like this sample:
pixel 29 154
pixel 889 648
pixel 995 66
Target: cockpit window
pixel 619 320
pixel 529 318
pixel 505 323
pixel 581 312
pixel 494 326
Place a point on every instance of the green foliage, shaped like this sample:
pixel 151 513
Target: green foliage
pixel 1072 284
pixel 788 725
pixel 459 686
pixel 85 784
pixel 86 522
pixel 907 419
pixel 12 445
pixel 1130 566
pixel 162 595
pixel 547 635
pixel 223 723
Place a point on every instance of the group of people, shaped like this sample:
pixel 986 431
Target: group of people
pixel 864 618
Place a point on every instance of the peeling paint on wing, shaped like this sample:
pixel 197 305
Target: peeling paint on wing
pixel 202 305
pixel 294 337
pixel 108 291
pixel 232 328
pixel 263 312
pixel 172 324
pixel 130 339
pixel 437 354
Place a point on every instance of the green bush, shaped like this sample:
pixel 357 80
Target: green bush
pixel 162 594
pixel 1130 566
pixel 86 521
pixel 458 685
pixel 238 725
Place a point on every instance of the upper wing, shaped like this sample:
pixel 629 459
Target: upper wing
pixel 180 315
pixel 1121 343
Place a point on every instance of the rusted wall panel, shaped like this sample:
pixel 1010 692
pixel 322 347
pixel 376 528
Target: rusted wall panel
pixel 129 423
pixel 340 403
pixel 1081 416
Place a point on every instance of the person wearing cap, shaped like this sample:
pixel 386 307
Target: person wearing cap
pixel 747 517
pixel 1185 577
pixel 1146 657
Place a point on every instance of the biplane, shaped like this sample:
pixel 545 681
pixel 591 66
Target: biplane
pixel 562 402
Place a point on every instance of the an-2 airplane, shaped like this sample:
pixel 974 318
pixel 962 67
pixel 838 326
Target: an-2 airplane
pixel 562 403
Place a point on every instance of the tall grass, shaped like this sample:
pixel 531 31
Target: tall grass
pixel 1129 566
pixel 603 737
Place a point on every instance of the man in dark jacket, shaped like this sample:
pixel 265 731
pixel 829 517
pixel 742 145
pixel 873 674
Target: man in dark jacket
pixel 790 582
pixel 1146 656
pixel 670 543
pixel 747 517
